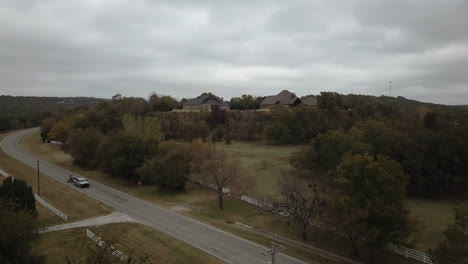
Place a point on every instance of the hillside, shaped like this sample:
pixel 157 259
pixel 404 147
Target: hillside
pixel 27 111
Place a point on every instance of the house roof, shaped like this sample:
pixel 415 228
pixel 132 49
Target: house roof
pixel 310 100
pixel 284 98
pixel 205 97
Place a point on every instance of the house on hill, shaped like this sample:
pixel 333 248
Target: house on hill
pixel 285 98
pixel 206 101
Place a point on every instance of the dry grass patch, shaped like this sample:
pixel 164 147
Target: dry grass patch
pixel 132 239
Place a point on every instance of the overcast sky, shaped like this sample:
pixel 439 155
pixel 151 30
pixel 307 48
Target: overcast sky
pixel 183 48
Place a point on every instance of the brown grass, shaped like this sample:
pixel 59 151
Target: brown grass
pixel 129 238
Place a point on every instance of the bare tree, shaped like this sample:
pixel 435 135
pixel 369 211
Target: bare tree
pixel 220 173
pixel 300 202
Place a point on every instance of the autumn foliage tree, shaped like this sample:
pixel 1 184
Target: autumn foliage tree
pixel 221 173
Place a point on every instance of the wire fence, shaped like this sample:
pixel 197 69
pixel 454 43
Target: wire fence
pixel 114 252
pixel 404 251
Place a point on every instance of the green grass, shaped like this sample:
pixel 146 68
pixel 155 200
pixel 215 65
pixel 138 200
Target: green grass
pixel 129 238
pixel 434 216
pixel 265 162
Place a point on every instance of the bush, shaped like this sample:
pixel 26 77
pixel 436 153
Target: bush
pixel 18 195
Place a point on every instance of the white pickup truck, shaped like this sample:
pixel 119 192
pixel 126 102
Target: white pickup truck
pixel 79 181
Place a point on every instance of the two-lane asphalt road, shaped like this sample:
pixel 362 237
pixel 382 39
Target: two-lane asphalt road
pixel 216 242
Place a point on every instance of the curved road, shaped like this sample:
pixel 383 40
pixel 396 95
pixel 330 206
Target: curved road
pixel 225 246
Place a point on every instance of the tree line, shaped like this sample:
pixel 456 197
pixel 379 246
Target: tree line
pixel 430 150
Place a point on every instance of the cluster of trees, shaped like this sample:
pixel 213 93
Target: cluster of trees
pixel 245 102
pixel 435 161
pixel 362 199
pixel 18 224
pixel 125 138
pixel 134 151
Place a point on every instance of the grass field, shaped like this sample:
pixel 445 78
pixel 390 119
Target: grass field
pixel 266 162
pixel 128 238
pixel 434 216
pixel 202 204
pixel 54 192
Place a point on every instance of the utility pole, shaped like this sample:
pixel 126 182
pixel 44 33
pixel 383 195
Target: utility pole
pixel 38 188
pixel 455 123
pixel 274 249
pixel 390 89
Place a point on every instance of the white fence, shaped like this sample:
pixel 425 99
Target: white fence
pixel 51 208
pixel 410 253
pixel 212 186
pixel 111 250
pixel 2 172
pixel 407 252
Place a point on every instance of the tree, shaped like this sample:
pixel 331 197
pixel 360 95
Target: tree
pixel 163 103
pixel 83 145
pixel 60 130
pixel 369 202
pixel 217 171
pixel 278 133
pixel 201 130
pixel 431 120
pixel 326 151
pixel 301 203
pixel 146 128
pixel 245 102
pixel 218 116
pixel 329 102
pixel 19 231
pixel 170 168
pixel 18 195
pixel 454 249
pixel 18 226
pixel 120 154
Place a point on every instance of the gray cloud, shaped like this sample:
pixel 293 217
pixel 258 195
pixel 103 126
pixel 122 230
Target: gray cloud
pixel 183 48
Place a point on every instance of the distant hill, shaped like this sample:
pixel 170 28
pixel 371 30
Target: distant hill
pixel 446 113
pixel 27 104
pixel 27 111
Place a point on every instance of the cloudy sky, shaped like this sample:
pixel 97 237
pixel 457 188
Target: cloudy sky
pixel 260 47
